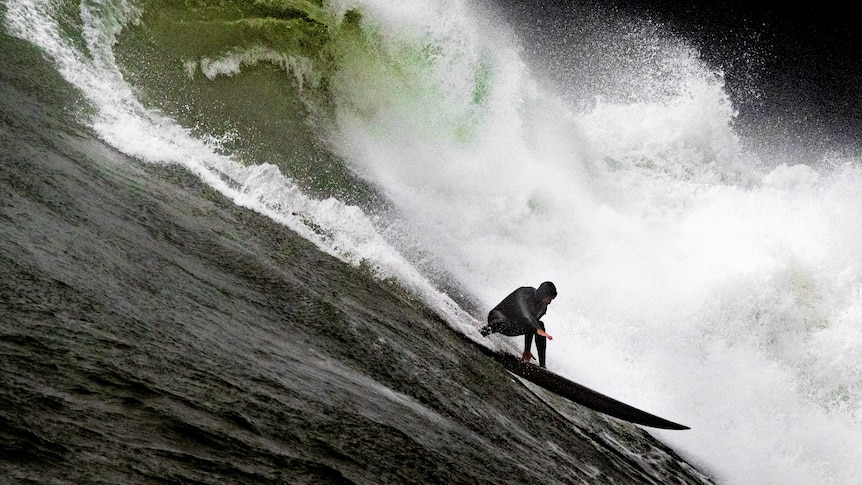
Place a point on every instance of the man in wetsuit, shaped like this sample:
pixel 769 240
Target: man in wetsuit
pixel 519 314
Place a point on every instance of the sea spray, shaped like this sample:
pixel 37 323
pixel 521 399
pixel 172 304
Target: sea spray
pixel 695 281
pixel 694 277
pixel 122 120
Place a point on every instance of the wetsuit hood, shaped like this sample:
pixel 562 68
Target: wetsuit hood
pixel 546 289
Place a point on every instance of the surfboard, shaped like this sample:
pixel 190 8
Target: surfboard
pixel 578 393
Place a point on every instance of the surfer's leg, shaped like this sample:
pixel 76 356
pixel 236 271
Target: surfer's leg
pixel 541 344
pixel 493 325
pixel 498 323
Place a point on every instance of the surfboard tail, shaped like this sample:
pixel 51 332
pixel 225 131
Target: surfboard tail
pixel 583 395
pixel 578 393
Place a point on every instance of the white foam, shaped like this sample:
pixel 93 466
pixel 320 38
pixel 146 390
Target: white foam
pixel 693 282
pixel 336 228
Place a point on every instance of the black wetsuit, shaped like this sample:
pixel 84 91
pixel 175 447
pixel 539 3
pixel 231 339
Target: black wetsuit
pixel 519 314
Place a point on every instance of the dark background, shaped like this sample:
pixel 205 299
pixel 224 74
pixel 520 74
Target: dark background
pixel 808 68
pixel 793 72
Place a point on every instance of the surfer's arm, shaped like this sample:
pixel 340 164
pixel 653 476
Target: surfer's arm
pixel 532 321
pixel 540 330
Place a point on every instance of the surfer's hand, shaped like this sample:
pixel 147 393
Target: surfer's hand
pixel 527 356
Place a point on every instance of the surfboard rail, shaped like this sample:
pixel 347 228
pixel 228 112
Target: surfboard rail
pixel 583 395
pixel 578 393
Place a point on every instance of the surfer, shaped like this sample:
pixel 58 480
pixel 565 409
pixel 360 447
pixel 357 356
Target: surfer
pixel 519 314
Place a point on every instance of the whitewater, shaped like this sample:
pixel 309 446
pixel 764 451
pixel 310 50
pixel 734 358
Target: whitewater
pixel 697 280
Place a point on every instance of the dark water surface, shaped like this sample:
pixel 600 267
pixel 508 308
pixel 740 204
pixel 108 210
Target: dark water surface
pixel 151 331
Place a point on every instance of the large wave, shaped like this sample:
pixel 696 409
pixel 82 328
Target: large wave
pixel 695 280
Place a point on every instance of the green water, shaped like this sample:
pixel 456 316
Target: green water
pixel 273 110
pixel 271 80
pixel 156 332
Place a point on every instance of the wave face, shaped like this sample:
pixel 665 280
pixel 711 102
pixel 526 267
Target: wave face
pixel 373 163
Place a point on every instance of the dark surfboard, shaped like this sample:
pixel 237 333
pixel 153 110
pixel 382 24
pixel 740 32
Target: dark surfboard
pixel 577 393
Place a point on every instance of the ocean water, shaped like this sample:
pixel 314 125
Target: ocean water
pixel 241 240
